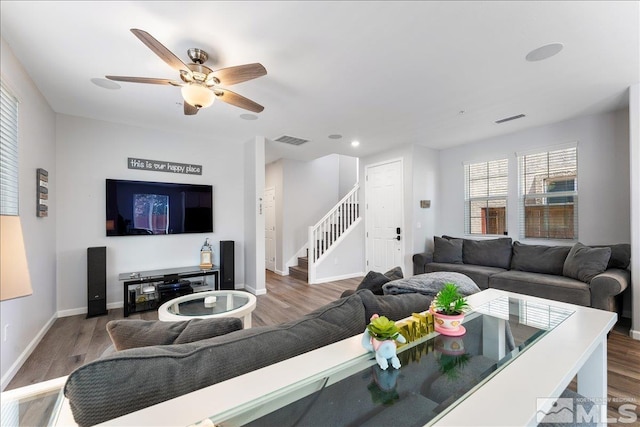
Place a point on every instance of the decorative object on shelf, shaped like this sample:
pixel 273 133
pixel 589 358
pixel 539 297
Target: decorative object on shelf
pixel 42 193
pixel 206 255
pixel 381 336
pixel 416 326
pixel 448 308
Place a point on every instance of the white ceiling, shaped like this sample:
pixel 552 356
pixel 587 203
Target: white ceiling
pixel 384 73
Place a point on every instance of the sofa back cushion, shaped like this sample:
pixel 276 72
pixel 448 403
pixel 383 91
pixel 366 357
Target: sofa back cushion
pixel 490 253
pixel 584 263
pixel 539 258
pixel 394 307
pixel 132 333
pixel 130 380
pixel 447 250
pixel 620 255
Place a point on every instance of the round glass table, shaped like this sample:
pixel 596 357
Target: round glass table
pixel 207 305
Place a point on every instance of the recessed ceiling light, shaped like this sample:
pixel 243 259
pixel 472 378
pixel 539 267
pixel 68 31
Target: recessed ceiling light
pixel 544 52
pixel 104 83
pixel 355 143
pixel 248 117
pixel 335 136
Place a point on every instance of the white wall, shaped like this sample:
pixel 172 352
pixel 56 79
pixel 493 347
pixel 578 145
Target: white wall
pixel 29 317
pixel 254 268
pixel 88 152
pixel 425 187
pixel 345 260
pixel 634 155
pixel 310 190
pixel 348 174
pixel 603 175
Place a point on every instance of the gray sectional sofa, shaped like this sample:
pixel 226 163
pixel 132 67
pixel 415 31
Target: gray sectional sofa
pixel 162 360
pixel 589 276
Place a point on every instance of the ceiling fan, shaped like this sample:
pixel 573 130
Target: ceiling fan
pixel 200 84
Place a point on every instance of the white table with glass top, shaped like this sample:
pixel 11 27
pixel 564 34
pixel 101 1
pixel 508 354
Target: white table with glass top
pixel 523 351
pixel 207 305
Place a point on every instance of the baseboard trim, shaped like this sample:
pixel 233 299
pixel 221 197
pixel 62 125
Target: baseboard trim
pixel 254 290
pixel 13 370
pixel 334 278
pixel 83 310
pixel 634 334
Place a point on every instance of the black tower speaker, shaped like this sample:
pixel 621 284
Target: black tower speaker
pixel 96 281
pixel 227 277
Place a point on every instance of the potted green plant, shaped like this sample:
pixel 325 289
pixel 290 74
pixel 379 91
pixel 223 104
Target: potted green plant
pixel 448 308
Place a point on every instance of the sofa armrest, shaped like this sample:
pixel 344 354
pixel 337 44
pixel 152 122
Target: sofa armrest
pixel 605 286
pixel 420 260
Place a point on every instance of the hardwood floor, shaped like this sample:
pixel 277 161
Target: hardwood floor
pixel 73 341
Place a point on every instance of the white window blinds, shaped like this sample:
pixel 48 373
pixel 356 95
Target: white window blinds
pixel 549 194
pixel 486 197
pixel 8 153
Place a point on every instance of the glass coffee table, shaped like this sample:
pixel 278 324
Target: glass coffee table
pixel 207 305
pixel 437 373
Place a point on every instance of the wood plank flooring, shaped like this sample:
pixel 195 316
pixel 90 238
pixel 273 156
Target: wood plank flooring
pixel 73 341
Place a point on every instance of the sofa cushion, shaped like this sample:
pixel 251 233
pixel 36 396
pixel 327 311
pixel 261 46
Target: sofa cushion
pixel 620 255
pixel 373 281
pixel 539 258
pixel 447 250
pixel 478 273
pixel 132 333
pixel 547 286
pixel 394 307
pixel 583 262
pixel 133 379
pixel 490 253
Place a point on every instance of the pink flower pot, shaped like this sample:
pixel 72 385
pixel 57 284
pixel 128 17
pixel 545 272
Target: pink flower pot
pixel 449 325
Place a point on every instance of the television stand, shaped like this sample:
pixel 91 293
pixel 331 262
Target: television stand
pixel 147 290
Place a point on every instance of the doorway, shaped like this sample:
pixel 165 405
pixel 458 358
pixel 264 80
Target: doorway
pixel 270 228
pixel 384 218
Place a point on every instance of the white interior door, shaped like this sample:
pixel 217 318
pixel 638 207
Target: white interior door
pixel 384 203
pixel 270 228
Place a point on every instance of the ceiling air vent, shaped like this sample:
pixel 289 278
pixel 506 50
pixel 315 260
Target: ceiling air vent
pixel 291 140
pixel 508 119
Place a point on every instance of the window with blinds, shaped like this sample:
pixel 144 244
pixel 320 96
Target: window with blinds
pixel 486 197
pixel 8 153
pixel 549 194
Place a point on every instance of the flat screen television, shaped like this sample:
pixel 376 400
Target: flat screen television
pixel 150 208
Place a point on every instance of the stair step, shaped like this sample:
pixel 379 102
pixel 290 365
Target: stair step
pixel 299 273
pixel 303 262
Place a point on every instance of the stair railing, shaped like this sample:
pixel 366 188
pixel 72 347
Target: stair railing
pixel 324 234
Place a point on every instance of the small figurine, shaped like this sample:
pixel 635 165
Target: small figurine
pixel 381 337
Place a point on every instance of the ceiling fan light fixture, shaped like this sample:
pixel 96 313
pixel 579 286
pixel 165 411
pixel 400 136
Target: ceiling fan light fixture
pixel 198 95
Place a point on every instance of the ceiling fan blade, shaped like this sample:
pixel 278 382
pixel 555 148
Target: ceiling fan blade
pixel 238 100
pixel 238 74
pixel 189 110
pixel 165 54
pixel 144 80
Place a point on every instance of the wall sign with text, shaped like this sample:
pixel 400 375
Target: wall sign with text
pixel 163 166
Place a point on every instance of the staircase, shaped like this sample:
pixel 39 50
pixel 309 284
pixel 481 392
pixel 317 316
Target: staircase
pixel 300 271
pixel 327 233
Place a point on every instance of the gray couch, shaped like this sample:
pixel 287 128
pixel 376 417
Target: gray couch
pixel 183 360
pixel 589 276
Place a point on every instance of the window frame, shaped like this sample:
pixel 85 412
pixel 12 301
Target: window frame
pixel 469 199
pixel 543 197
pixel 9 160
